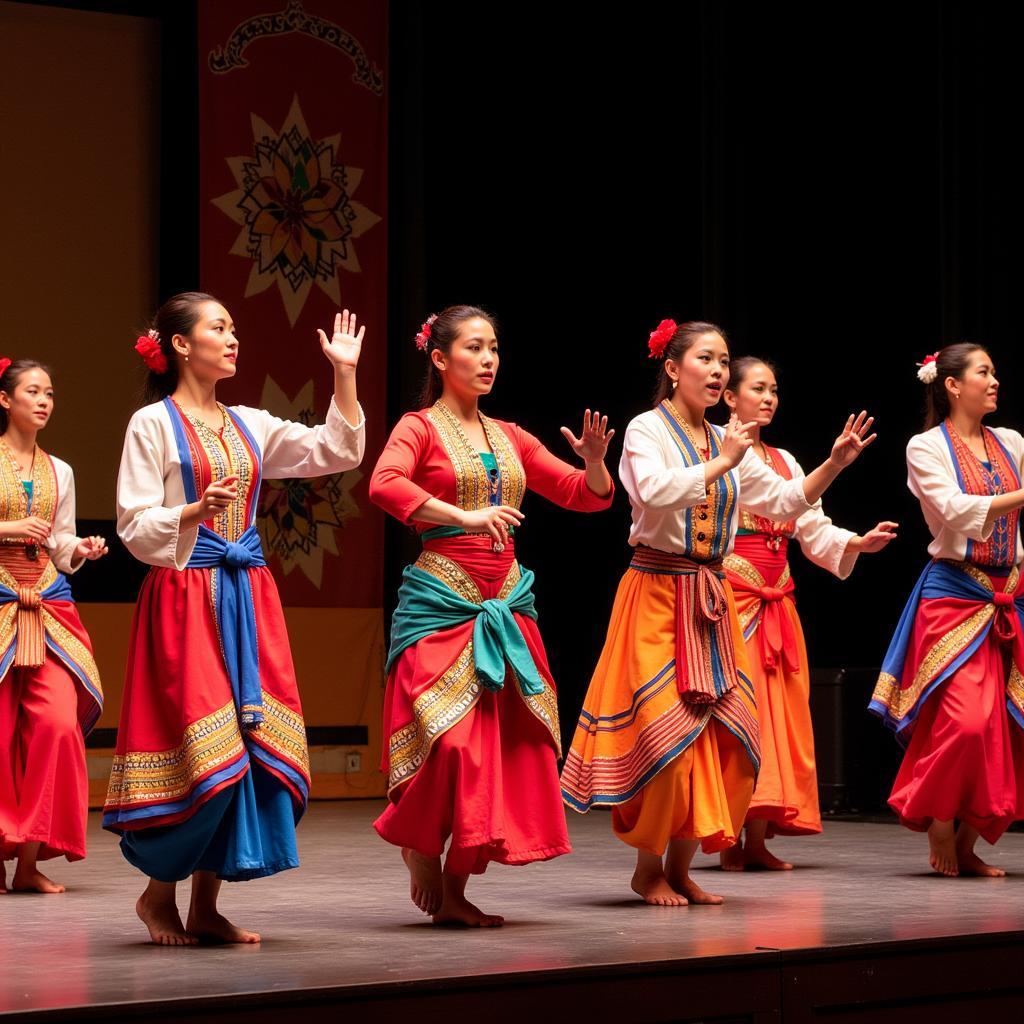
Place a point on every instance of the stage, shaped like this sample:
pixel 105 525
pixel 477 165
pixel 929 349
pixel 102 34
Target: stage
pixel 860 931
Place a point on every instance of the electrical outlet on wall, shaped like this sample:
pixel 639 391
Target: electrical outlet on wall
pixel 353 761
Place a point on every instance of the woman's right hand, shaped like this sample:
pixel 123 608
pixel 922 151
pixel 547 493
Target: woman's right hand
pixel 494 520
pixel 32 527
pixel 736 440
pixel 217 497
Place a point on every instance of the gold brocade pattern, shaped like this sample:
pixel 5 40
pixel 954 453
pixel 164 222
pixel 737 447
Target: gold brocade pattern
pixel 284 732
pixel 14 500
pixel 435 711
pixel 227 455
pixel 1015 688
pixel 81 657
pixel 472 485
pixel 513 577
pixel 746 571
pixel 451 574
pixel 164 776
pixel 900 702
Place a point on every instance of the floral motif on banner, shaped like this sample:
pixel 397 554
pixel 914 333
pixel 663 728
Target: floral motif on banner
pixel 295 207
pixel 300 520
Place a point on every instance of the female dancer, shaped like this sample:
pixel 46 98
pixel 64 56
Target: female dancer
pixel 951 685
pixel 785 800
pixel 211 772
pixel 50 694
pixel 668 732
pixel 470 713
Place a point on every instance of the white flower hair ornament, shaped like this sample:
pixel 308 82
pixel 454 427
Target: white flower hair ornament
pixel 928 370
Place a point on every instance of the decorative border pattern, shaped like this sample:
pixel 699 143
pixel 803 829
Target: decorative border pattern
pixel 156 777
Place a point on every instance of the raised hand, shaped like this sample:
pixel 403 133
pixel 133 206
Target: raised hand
pixel 344 346
pixel 494 520
pixel 737 439
pixel 878 538
pixel 592 445
pixel 91 548
pixel 853 440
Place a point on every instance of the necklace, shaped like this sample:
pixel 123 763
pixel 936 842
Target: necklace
pixel 31 547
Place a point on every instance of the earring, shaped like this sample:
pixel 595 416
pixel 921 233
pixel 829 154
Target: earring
pixel 186 358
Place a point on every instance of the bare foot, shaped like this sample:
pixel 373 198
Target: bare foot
pixel 653 888
pixel 457 910
pixel 693 892
pixel 164 923
pixel 733 859
pixel 214 927
pixel 942 848
pixel 34 881
pixel 424 880
pixel 971 864
pixel 760 857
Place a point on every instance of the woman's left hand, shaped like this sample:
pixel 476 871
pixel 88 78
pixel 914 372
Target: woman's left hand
pixel 852 441
pixel 344 347
pixel 592 446
pixel 878 538
pixel 91 548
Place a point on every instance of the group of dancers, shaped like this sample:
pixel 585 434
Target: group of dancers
pixel 695 730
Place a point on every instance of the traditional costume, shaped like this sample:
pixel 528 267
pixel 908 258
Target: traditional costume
pixel 50 693
pixel 786 793
pixel 211 770
pixel 668 734
pixel 470 712
pixel 951 686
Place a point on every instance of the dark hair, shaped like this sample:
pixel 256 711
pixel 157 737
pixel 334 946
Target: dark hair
pixel 443 331
pixel 9 381
pixel 739 368
pixel 951 361
pixel 178 315
pixel 683 339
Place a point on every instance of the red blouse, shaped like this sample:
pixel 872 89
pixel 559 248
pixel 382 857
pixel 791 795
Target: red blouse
pixel 429 456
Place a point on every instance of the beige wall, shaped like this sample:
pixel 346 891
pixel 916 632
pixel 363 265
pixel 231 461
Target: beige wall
pixel 79 180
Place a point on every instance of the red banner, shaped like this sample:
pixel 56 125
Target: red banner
pixel 293 192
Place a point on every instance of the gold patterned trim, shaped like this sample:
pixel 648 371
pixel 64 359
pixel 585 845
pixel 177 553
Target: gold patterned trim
pixel 227 455
pixel 1015 688
pixel 514 576
pixel 76 651
pixel 14 500
pixel 746 571
pixel 472 485
pixel 545 706
pixel 451 574
pixel 284 732
pixel 146 777
pixel 900 702
pixel 434 712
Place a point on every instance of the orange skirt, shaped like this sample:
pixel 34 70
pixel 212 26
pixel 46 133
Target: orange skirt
pixel 668 768
pixel 786 794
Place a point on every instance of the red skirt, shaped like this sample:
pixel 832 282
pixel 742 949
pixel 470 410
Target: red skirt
pixel 179 742
pixel 965 759
pixel 469 767
pixel 44 785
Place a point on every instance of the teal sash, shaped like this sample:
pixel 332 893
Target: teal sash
pixel 426 606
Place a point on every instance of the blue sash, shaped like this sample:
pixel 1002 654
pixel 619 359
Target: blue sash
pixel 236 615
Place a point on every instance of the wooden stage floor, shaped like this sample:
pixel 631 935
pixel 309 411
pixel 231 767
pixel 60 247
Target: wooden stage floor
pixel 862 930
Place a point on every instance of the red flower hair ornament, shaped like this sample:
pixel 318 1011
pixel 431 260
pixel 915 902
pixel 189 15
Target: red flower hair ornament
pixel 423 338
pixel 148 346
pixel 4 363
pixel 660 337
